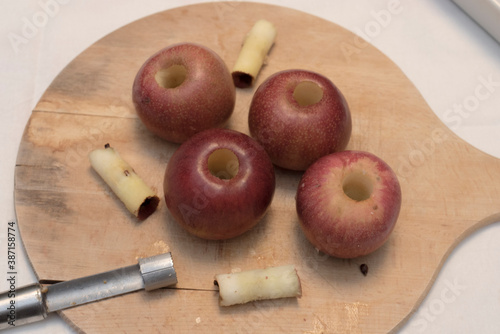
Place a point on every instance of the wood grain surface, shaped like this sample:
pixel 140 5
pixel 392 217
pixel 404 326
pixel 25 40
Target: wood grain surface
pixel 73 226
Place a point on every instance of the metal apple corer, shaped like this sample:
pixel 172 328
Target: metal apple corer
pixel 34 302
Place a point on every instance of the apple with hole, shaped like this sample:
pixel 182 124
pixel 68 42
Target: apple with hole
pixel 219 184
pixel 348 203
pixel 299 116
pixel 183 89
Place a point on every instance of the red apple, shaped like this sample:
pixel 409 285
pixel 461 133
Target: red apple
pixel 299 116
pixel 183 89
pixel 219 184
pixel 348 203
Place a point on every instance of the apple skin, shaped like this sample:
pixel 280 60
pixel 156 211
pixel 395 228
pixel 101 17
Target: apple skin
pixel 335 223
pixel 295 136
pixel 208 206
pixel 204 100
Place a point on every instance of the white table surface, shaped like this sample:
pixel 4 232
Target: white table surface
pixel 441 50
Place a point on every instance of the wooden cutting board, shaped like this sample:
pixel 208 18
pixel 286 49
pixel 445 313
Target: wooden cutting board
pixel 72 225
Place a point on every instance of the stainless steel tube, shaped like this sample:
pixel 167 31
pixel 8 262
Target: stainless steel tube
pixel 33 303
pixel 22 306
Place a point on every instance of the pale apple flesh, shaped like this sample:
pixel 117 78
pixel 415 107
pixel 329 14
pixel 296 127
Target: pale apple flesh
pixel 183 89
pixel 258 284
pixel 299 116
pixel 348 203
pixel 134 193
pixel 256 46
pixel 219 184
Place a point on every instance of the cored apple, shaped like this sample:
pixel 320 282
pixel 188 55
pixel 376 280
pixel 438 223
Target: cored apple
pixel 348 203
pixel 219 184
pixel 299 116
pixel 183 89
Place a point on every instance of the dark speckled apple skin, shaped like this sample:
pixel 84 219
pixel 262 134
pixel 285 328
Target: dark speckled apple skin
pixel 204 100
pixel 295 136
pixel 210 207
pixel 338 225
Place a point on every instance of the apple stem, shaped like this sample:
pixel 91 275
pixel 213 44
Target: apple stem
pixel 138 198
pixel 256 46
